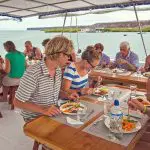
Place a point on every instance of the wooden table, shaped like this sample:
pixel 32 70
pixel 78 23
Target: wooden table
pixel 113 78
pixel 59 136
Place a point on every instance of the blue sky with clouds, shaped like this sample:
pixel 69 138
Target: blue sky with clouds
pixel 82 20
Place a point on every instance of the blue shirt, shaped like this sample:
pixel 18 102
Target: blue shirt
pixel 77 82
pixel 132 58
pixel 104 59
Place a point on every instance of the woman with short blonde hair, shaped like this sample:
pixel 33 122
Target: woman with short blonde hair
pixel 57 45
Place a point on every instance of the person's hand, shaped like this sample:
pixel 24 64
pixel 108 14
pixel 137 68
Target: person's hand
pixel 122 61
pixel 87 91
pixel 1 66
pixel 136 105
pixel 51 111
pixel 73 96
pixel 142 69
pixel 1 60
pixel 111 65
pixel 103 64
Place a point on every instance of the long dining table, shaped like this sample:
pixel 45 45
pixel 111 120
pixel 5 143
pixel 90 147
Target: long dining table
pixel 60 136
pixel 123 79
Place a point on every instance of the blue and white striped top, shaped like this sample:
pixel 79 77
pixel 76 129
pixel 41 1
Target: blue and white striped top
pixel 78 81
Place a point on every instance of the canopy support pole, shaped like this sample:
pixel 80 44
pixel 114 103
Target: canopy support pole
pixel 77 33
pixel 64 24
pixel 70 26
pixel 140 29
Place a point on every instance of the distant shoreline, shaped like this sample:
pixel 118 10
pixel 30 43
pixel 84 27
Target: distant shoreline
pixel 74 30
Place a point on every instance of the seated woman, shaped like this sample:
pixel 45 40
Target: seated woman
pixel 104 59
pixel 76 74
pixel 15 66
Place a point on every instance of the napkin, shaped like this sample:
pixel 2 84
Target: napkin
pixel 73 121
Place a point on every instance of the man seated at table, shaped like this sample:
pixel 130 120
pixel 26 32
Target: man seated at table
pixel 39 88
pixel 104 59
pixel 126 59
pixel 33 53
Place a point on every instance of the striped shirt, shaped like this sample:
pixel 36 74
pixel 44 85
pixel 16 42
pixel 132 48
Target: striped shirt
pixel 77 81
pixel 38 87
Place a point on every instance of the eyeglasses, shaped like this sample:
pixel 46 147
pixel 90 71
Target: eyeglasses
pixel 68 55
pixel 90 64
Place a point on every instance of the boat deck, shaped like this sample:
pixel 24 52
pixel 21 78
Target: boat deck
pixel 11 134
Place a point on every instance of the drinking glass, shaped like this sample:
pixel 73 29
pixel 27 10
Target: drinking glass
pixel 98 84
pixel 139 74
pixel 80 114
pixel 133 88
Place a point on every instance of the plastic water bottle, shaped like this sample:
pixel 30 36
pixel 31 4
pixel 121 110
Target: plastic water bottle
pixel 116 117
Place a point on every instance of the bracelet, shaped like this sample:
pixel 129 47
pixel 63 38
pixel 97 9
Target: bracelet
pixel 145 109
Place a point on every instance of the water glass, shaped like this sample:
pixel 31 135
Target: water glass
pixel 98 84
pixel 107 106
pixel 111 95
pixel 80 114
pixel 133 88
pixel 139 74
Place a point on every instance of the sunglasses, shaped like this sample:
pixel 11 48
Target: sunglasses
pixel 68 55
pixel 90 64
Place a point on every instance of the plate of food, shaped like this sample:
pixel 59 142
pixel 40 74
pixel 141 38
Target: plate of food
pixel 130 125
pixel 100 91
pixel 146 74
pixel 71 108
pixel 118 70
pixel 143 100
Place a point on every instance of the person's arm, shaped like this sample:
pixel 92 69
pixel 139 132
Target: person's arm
pixel 136 105
pixel 148 111
pixel 68 95
pixel 29 106
pixel 134 65
pixel 27 88
pixel 147 63
pixel 7 66
pixel 66 84
pixel 131 67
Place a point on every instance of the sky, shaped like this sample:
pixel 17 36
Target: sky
pixel 82 20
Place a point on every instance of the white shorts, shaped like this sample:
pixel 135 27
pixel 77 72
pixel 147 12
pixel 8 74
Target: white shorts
pixel 7 81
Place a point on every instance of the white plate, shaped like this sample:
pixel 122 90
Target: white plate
pixel 98 94
pixel 68 113
pixel 146 74
pixel 137 128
